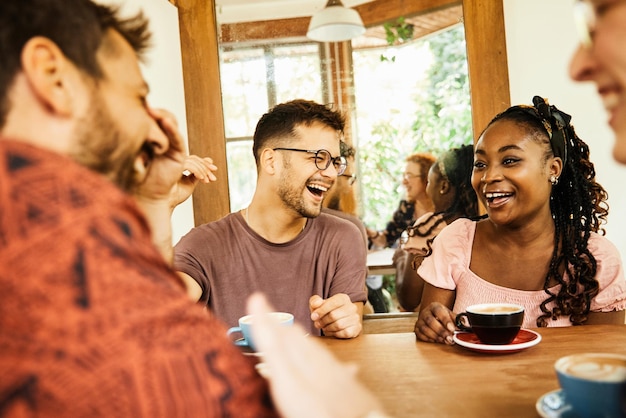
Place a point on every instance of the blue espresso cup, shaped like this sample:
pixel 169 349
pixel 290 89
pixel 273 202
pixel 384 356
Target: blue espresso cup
pixel 245 323
pixel 594 384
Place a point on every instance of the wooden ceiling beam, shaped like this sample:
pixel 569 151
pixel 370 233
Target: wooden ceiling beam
pixel 373 14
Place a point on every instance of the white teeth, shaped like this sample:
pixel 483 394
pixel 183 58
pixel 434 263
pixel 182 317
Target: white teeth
pixel 610 100
pixel 495 195
pixel 318 187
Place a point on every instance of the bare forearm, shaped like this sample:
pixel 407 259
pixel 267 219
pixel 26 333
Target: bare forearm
pixel 159 214
pixel 409 285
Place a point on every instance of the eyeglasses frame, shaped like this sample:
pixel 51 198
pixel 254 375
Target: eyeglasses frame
pixel 343 163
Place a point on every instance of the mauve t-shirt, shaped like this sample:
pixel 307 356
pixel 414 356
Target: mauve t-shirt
pixel 230 261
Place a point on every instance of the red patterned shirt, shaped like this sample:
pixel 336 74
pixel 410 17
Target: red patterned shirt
pixel 93 322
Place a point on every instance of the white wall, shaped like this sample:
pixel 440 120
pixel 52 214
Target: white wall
pixel 541 38
pixel 163 72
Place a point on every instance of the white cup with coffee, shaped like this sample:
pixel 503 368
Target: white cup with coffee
pixel 594 384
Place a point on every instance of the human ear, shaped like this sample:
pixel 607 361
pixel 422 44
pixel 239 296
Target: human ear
pixel 268 161
pixel 556 167
pixel 445 187
pixel 46 69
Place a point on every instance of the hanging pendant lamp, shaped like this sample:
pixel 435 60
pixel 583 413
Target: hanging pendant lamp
pixel 335 23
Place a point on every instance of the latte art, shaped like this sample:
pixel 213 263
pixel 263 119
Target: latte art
pixel 605 369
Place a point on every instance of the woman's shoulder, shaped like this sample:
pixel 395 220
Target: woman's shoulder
pixel 600 245
pixel 461 228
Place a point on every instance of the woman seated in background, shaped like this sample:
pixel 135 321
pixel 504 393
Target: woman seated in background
pixel 450 189
pixel 539 245
pixel 413 206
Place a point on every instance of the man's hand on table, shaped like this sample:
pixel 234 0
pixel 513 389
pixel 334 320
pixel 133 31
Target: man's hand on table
pixel 337 316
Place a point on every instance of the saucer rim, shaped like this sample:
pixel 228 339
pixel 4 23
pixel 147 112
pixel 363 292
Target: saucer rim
pixel 241 342
pixel 540 400
pixel 498 348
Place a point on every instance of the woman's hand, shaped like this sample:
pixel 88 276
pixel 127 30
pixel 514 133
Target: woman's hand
pixel 436 324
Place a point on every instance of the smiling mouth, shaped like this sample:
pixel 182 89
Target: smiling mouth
pixel 316 189
pixel 494 199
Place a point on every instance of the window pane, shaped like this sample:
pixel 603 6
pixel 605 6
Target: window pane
pixel 244 90
pixel 241 173
pixel 297 73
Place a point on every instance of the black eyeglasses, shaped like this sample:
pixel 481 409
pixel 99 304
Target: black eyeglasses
pixel 323 158
pixel 586 16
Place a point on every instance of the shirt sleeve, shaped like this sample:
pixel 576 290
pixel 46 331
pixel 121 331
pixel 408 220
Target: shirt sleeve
pixel 451 249
pixel 351 270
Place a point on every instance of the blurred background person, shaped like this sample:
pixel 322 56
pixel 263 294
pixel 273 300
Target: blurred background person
pixel 340 200
pixel 412 207
pixel 450 189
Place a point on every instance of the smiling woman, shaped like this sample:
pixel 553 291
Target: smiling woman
pixel 539 246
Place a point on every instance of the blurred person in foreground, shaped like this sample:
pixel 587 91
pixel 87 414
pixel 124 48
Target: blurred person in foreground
pixel 601 58
pixel 93 320
pixel 539 245
pixel 450 189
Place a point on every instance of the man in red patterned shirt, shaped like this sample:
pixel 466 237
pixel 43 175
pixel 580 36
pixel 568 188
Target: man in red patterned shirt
pixel 93 320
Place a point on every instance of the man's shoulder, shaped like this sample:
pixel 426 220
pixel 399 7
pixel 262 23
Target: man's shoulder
pixel 221 228
pixel 331 226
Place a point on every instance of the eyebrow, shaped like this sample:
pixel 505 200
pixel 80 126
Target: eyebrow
pixel 500 150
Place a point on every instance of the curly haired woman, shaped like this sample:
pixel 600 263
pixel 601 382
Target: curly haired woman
pixel 539 244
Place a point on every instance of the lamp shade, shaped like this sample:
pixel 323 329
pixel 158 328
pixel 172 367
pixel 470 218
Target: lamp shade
pixel 335 23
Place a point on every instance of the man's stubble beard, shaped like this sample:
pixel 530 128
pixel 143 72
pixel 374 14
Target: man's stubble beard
pixel 293 198
pixel 97 146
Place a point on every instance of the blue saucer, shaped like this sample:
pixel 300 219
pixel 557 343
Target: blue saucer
pixel 554 405
pixel 242 342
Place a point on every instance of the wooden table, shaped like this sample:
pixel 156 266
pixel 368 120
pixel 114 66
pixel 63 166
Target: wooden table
pixel 416 379
pixel 380 262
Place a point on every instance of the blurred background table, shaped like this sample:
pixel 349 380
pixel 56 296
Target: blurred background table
pixel 415 379
pixel 380 262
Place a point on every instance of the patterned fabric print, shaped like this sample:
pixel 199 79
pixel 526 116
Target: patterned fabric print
pixel 92 320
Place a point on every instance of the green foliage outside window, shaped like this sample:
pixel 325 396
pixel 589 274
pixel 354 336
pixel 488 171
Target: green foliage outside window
pixel 440 118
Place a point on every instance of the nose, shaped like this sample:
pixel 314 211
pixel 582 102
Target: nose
pixel 491 174
pixel 330 171
pixel 582 65
pixel 157 140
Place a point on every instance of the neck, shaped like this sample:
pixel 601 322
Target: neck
pixel 272 225
pixel 422 206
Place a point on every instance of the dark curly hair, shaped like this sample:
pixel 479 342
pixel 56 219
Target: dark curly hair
pixel 455 165
pixel 578 206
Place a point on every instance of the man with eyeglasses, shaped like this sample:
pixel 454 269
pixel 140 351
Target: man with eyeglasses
pixel 601 58
pixel 310 264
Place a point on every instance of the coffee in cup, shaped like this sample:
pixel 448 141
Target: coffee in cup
pixel 493 323
pixel 245 322
pixel 594 383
